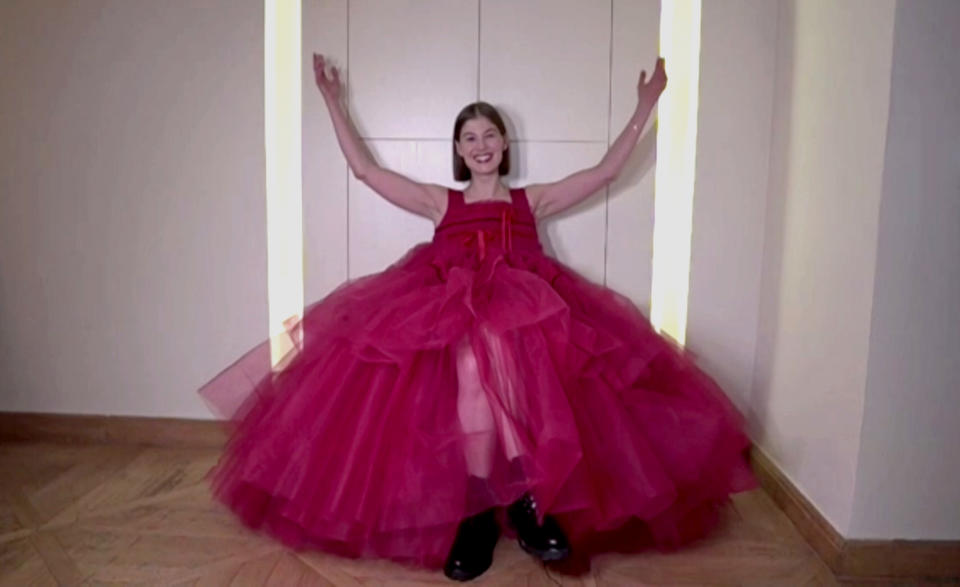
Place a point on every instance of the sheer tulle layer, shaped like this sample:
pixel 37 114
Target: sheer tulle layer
pixel 414 384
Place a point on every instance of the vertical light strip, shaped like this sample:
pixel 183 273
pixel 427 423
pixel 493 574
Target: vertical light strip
pixel 282 87
pixel 676 159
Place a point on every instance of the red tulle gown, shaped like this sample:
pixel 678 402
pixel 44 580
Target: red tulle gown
pixel 471 371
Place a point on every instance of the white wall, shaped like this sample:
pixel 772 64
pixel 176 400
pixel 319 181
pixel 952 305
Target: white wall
pixel 908 478
pixel 325 171
pixel 629 219
pixel 829 131
pixel 737 63
pixel 132 253
pixel 563 73
pixel 133 222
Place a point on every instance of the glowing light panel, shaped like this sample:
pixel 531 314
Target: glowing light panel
pixel 676 159
pixel 282 88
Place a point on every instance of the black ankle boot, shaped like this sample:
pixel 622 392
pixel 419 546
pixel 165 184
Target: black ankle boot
pixel 472 550
pixel 547 541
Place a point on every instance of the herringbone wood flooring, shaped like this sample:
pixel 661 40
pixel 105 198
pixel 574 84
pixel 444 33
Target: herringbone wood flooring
pixel 120 515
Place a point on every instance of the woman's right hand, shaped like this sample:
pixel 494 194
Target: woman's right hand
pixel 329 85
pixel 424 199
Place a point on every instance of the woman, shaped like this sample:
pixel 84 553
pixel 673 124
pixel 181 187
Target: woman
pixel 475 376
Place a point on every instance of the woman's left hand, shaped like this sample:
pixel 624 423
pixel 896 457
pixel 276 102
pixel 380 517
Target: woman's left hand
pixel 652 88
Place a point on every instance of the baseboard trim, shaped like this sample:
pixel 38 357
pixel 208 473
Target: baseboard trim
pixel 82 429
pixel 848 559
pixel 878 560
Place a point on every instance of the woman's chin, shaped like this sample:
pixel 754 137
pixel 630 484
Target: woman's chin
pixel 484 172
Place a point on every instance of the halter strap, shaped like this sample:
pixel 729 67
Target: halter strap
pixel 519 198
pixel 454 198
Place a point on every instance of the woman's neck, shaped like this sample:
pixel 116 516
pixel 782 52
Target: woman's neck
pixel 485 188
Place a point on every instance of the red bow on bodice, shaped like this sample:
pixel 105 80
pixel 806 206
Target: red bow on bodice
pixel 482 236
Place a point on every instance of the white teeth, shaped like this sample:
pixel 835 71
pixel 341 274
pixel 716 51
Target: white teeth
pixel 483 159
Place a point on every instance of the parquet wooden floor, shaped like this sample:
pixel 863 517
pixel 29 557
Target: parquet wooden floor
pixel 121 515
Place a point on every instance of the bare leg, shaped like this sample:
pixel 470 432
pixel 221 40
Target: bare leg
pixel 507 406
pixel 476 417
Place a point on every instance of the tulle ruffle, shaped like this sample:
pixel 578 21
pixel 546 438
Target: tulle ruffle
pixel 451 383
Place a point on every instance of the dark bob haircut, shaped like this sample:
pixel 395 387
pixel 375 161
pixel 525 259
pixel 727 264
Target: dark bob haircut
pixel 476 110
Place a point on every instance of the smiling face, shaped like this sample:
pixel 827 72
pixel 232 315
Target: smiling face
pixel 480 145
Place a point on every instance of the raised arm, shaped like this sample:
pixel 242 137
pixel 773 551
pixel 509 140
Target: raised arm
pixel 549 198
pixel 428 200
